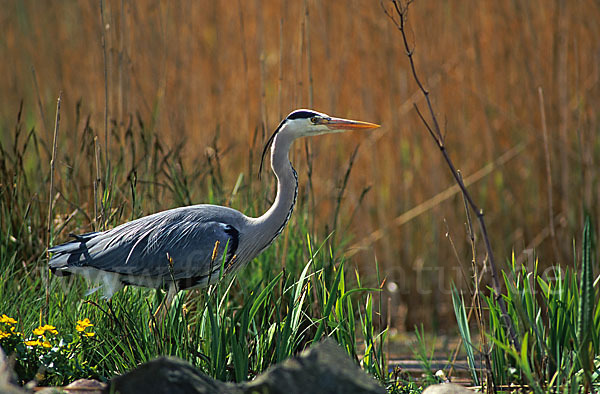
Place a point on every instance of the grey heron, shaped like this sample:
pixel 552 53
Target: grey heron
pixel 186 247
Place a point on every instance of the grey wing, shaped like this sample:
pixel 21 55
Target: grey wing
pixel 196 251
pixel 161 250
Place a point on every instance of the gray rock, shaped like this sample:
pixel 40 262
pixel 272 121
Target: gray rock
pixel 49 390
pixel 324 368
pixel 447 388
pixel 7 377
pixel 168 375
pixel 87 386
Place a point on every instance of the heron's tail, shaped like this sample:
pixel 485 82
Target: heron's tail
pixel 69 254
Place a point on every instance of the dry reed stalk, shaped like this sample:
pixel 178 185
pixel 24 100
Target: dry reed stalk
pixel 103 43
pixel 67 221
pixel 340 195
pixel 263 72
pixel 121 59
pixel 388 326
pixel 50 201
pixel 39 100
pixel 308 55
pixel 487 82
pixel 97 181
pixel 536 241
pixel 244 49
pixel 434 201
pixel 310 190
pixel 563 102
pixel 359 202
pixel 548 174
pixel 280 74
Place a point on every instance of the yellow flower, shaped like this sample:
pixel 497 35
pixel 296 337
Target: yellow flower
pixel 41 330
pixel 7 320
pixel 33 343
pixel 38 342
pixel 83 324
pixel 4 334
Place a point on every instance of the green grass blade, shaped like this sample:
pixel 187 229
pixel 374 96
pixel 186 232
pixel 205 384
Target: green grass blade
pixel 465 333
pixel 329 305
pixel 263 296
pixel 586 302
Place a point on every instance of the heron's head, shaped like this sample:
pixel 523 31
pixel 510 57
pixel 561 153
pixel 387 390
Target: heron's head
pixel 306 123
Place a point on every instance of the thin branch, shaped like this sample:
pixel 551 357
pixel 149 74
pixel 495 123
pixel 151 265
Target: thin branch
pixel 426 124
pixel 403 14
pixel 401 11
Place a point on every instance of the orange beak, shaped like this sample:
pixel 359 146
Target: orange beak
pixel 347 124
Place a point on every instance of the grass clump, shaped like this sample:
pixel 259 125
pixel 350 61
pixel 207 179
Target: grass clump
pixel 557 314
pixel 295 293
pixel 232 330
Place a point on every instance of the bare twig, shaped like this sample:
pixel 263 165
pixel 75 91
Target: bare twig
pixel 435 132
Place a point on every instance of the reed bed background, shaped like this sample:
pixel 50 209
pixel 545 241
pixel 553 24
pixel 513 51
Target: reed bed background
pixel 185 95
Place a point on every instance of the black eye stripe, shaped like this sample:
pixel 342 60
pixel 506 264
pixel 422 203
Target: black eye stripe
pixel 302 115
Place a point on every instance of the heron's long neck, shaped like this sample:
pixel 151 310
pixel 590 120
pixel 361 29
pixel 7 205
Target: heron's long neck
pixel 271 224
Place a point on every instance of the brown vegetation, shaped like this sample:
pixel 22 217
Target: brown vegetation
pixel 210 79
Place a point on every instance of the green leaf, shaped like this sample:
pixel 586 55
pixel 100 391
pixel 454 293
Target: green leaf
pixel 330 301
pixel 463 328
pixel 586 301
pixel 263 295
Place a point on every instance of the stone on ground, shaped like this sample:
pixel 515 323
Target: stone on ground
pixel 447 388
pixel 7 378
pixel 324 368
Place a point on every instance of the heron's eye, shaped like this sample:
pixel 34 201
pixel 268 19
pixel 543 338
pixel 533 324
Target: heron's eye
pixel 314 120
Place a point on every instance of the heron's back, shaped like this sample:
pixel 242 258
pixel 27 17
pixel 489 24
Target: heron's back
pixel 185 244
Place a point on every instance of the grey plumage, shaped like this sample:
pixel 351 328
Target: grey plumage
pixel 186 247
pixel 139 251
